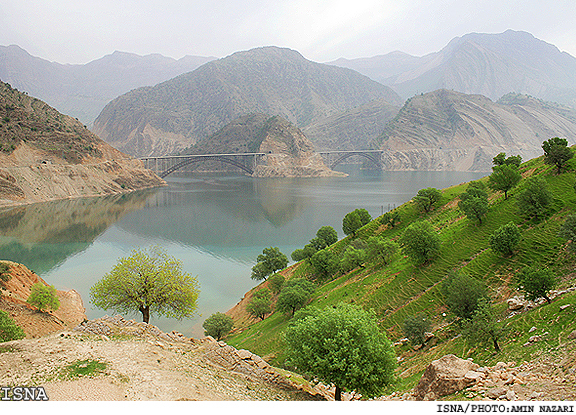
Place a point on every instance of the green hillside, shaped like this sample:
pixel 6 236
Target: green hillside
pixel 402 289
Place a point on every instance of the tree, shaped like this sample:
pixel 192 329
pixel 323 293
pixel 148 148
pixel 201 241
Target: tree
pixel 537 282
pixel 275 283
pixel 260 305
pixel 427 198
pixel 462 294
pixel 505 238
pixel 483 327
pixel 501 160
pixel 344 346
pixel 355 220
pixel 556 152
pixel 149 283
pixel 300 254
pixel 568 232
pixel 218 325
pixel 504 178
pixel 4 275
pixel 9 330
pixel 325 264
pixel 474 203
pixel 268 262
pixel 327 234
pixel 415 328
pixel 420 242
pixel 535 199
pixel 390 219
pixel 353 258
pixel 43 297
pixel 380 249
pixel 294 295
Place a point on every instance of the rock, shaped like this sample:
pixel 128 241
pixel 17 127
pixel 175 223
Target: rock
pixel 244 354
pixel 564 307
pixel 496 393
pixel 572 335
pixel 444 376
pixel 510 395
pixel 535 339
pixel 515 303
pixel 473 376
pixel 532 329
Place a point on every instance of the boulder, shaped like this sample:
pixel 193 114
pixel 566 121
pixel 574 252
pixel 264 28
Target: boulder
pixel 445 376
pixel 516 303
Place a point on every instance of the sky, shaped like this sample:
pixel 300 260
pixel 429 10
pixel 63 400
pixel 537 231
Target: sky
pixel 79 31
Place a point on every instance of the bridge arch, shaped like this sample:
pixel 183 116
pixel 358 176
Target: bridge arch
pixel 375 160
pixel 193 159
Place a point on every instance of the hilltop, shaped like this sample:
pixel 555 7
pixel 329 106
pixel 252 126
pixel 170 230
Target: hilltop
pixel 185 110
pixel 536 334
pixel 45 155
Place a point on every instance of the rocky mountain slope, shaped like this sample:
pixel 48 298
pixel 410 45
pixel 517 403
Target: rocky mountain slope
pixel 45 155
pixel 446 130
pixel 478 63
pixel 81 91
pixel 178 113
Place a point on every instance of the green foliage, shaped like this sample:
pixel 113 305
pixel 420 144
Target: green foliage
pixel 462 293
pixel 427 198
pixel 275 283
pixel 505 238
pixel 84 368
pixel 474 203
pixel 149 283
pixel 390 219
pixel 218 325
pixel 483 326
pixel 326 264
pixel 9 330
pixel 268 262
pixel 355 220
pixel 536 282
pixel 415 328
pixel 294 295
pixel 43 297
pixel 353 258
pixel 380 249
pixel 344 346
pixel 504 178
pixel 4 275
pixel 568 232
pixel 327 234
pixel 420 242
pixel 260 304
pixel 535 199
pixel 501 160
pixel 556 152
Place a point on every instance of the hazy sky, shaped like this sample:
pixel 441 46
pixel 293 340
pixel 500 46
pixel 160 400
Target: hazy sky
pixel 78 31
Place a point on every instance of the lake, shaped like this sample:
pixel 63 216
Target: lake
pixel 216 224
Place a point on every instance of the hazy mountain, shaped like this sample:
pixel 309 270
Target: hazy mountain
pixel 488 64
pixel 446 130
pixel 81 91
pixel 178 113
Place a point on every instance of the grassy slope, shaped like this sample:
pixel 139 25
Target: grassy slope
pixel 401 289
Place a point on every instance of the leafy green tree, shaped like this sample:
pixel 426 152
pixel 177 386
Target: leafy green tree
pixel 149 283
pixel 301 254
pixel 556 152
pixel 390 219
pixel 294 295
pixel 537 282
pixel 504 178
pixel 260 304
pixel 420 242
pixel 380 249
pixel 327 234
pixel 4 275
pixel 568 232
pixel 415 328
pixel 535 199
pixel 474 203
pixel 43 297
pixel 355 220
pixel 218 325
pixel 275 283
pixel 344 346
pixel 325 264
pixel 9 330
pixel 427 198
pixel 462 294
pixel 353 258
pixel 505 238
pixel 501 160
pixel 483 326
pixel 268 262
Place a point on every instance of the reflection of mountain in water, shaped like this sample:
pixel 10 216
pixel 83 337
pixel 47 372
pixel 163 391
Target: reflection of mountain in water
pixel 43 235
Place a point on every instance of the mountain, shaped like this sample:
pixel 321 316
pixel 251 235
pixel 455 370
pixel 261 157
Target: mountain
pixel 182 111
pixel 446 130
pixel 83 90
pixel 45 155
pixel 477 63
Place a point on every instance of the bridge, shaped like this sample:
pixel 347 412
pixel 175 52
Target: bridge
pixel 247 162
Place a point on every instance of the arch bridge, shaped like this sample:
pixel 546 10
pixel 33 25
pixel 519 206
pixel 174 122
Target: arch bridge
pixel 332 158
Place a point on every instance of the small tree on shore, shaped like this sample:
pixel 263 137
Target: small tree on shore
pixel 9 330
pixel 268 262
pixel 483 326
pixel 325 264
pixel 535 199
pixel 474 203
pixel 43 297
pixel 218 325
pixel 294 295
pixel 355 220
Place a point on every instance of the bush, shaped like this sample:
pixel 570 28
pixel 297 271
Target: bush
pixel 380 249
pixel 534 201
pixel 568 232
pixel 325 264
pixel 4 275
pixel 427 198
pixel 353 258
pixel 43 297
pixel 505 238
pixel 537 282
pixel 415 328
pixel 462 294
pixel 9 330
pixel 275 282
pixel 420 242
pixel 218 325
